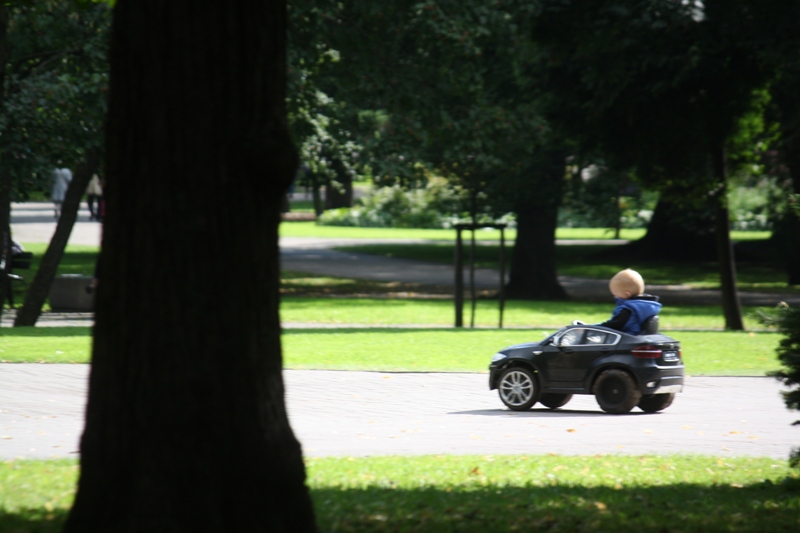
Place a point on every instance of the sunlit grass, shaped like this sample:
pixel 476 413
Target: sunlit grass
pixel 414 349
pixel 489 493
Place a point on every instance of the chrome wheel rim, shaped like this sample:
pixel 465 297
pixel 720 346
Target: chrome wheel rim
pixel 516 388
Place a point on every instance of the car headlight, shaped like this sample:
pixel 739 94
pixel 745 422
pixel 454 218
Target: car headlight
pixel 498 357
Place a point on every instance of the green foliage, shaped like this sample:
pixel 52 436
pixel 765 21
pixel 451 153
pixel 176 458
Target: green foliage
pixel 597 197
pixel 328 152
pixel 55 82
pixel 435 206
pixel 657 86
pixel 787 320
pixel 756 204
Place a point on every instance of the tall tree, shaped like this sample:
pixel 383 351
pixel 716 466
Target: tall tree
pixel 660 86
pixel 70 115
pixel 448 82
pixel 52 104
pixel 186 426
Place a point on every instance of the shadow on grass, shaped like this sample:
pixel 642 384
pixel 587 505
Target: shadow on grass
pixel 33 521
pixel 484 506
pixel 683 507
pixel 33 331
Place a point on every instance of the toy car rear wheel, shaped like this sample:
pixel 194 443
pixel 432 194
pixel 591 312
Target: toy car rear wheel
pixel 652 403
pixel 518 388
pixel 616 392
pixel 553 400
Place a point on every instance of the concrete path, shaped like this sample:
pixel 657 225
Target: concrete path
pixel 374 413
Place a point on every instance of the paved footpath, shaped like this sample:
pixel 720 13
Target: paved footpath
pixel 374 413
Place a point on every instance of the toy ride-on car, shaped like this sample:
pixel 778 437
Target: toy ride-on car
pixel 622 371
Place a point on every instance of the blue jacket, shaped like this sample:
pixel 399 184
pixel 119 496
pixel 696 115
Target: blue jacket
pixel 631 314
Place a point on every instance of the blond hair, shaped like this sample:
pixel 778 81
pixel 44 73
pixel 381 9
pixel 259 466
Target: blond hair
pixel 626 283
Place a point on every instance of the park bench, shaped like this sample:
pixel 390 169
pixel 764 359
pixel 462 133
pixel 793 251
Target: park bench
pixel 19 261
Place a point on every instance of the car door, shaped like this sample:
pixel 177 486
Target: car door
pixel 579 348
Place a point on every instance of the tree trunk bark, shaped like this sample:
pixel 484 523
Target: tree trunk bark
pixel 681 230
pixel 532 274
pixel 339 194
pixel 40 286
pixel 731 306
pixel 5 179
pixel 5 238
pixel 791 155
pixel 186 424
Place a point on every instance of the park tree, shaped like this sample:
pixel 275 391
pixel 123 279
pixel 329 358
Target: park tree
pixel 661 87
pixel 186 424
pixel 52 68
pixel 444 84
pixel 57 116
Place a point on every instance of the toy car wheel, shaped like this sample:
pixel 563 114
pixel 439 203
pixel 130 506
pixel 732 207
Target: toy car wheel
pixel 553 400
pixel 518 388
pixel 616 392
pixel 652 403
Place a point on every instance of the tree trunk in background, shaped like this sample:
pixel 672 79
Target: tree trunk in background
pixel 678 229
pixel 40 286
pixel 731 306
pixel 791 155
pixel 186 425
pixel 533 274
pixel 340 195
pixel 5 179
pixel 5 237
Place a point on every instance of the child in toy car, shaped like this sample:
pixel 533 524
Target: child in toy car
pixel 634 306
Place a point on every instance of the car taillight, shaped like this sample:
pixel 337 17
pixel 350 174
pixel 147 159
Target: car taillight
pixel 647 352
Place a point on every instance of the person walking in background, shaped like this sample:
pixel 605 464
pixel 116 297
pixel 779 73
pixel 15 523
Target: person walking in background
pixel 94 194
pixel 61 179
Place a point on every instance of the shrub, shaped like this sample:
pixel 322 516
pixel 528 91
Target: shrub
pixel 435 206
pixel 787 320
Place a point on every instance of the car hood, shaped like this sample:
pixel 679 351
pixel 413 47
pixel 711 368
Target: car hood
pixel 521 346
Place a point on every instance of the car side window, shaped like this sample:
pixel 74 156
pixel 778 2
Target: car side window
pixel 587 337
pixel 571 338
pixel 595 337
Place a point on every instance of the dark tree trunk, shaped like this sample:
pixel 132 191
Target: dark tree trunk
pixel 316 191
pixel 731 306
pixel 682 229
pixel 5 238
pixel 532 274
pixel 791 155
pixel 186 425
pixel 40 286
pixel 5 179
pixel 339 194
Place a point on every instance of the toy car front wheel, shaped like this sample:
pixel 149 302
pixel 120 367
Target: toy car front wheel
pixel 518 388
pixel 616 392
pixel 553 400
pixel 652 403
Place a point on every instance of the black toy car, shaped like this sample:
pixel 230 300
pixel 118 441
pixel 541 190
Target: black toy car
pixel 622 371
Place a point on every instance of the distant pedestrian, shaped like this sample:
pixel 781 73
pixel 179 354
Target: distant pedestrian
pixel 61 179
pixel 94 195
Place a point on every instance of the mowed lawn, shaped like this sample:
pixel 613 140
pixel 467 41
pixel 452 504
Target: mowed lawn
pixel 710 353
pixel 490 494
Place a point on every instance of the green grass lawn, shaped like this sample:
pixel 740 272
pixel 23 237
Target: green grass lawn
pixel 586 261
pixel 312 229
pixel 411 349
pixel 517 313
pixel 489 493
